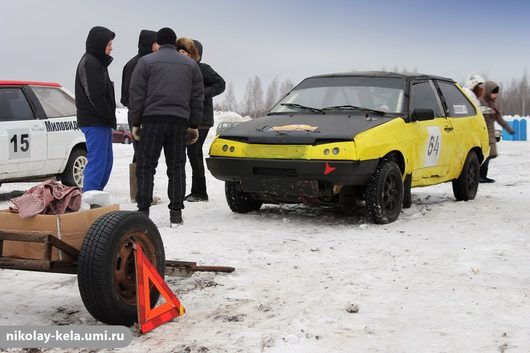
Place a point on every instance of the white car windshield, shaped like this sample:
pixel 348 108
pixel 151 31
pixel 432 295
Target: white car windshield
pixel 322 94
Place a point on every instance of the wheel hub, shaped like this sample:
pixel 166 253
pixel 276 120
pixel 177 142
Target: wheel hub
pixel 125 265
pixel 390 194
pixel 79 169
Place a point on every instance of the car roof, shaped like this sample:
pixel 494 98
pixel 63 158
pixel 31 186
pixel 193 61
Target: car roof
pixel 31 83
pixel 407 76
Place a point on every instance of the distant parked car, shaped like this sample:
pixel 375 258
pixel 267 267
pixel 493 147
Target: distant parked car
pixel 122 134
pixel 225 125
pixel 39 136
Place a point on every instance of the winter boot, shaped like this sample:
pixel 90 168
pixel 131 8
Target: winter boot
pixel 175 217
pixel 198 190
pixel 197 198
pixel 133 185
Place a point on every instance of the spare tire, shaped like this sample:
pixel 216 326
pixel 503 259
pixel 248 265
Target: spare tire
pixel 106 271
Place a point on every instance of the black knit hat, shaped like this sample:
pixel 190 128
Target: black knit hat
pixel 166 36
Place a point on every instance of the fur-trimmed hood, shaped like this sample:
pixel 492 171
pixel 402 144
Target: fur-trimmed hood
pixel 490 86
pixel 188 45
pixel 486 98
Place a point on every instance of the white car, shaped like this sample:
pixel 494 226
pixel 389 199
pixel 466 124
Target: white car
pixel 39 136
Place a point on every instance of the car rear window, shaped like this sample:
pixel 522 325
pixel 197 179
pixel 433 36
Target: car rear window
pixel 55 102
pixel 14 105
pixel 457 102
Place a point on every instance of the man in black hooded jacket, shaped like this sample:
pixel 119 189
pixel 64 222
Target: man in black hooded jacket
pixel 146 45
pixel 96 106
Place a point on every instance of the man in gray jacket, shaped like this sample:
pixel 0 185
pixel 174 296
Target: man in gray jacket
pixel 165 101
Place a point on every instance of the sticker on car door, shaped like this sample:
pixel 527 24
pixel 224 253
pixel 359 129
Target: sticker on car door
pixel 434 146
pixel 460 109
pixel 19 143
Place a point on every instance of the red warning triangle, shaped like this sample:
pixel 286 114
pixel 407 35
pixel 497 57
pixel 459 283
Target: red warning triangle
pixel 149 318
pixel 328 169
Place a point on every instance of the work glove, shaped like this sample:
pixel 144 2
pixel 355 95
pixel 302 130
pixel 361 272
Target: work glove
pixel 136 130
pixel 192 136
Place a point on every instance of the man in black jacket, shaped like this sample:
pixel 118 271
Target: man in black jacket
pixel 96 107
pixel 146 45
pixel 166 102
pixel 214 85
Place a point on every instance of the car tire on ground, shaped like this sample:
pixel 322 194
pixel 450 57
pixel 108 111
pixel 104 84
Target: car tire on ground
pixel 75 167
pixel 384 193
pixel 240 201
pixel 106 266
pixel 466 186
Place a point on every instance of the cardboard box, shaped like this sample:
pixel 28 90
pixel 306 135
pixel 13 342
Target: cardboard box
pixel 69 227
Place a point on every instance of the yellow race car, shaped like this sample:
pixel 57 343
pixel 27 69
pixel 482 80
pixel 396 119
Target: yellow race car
pixel 354 139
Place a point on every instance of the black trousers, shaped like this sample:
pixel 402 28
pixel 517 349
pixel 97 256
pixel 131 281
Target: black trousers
pixel 195 155
pixel 484 167
pixel 134 142
pixel 172 138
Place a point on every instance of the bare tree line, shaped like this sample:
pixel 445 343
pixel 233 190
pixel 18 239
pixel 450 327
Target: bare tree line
pixel 514 96
pixel 255 101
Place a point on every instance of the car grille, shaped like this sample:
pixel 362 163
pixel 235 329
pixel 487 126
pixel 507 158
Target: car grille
pixel 278 172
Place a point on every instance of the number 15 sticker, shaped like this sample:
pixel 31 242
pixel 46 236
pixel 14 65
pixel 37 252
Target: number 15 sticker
pixel 19 143
pixel 434 146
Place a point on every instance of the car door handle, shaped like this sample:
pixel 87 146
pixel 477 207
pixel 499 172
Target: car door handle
pixel 448 128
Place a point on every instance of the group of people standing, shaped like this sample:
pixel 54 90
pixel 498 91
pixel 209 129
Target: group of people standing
pixel 484 94
pixel 169 92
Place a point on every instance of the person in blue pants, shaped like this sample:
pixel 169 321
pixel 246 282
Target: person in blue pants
pixel 96 106
pixel 100 157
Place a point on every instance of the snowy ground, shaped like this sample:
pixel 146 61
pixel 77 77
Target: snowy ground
pixel 445 277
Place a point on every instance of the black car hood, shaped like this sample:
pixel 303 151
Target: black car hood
pixel 304 128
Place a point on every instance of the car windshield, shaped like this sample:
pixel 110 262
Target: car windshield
pixel 381 94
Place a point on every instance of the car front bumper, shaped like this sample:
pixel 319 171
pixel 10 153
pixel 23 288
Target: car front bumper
pixel 257 175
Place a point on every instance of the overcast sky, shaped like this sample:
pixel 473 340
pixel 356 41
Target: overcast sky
pixel 44 39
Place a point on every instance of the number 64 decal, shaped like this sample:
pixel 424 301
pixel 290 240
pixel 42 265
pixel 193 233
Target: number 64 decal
pixel 19 143
pixel 434 146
